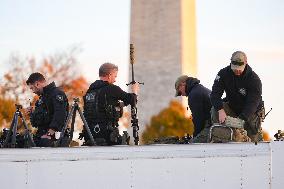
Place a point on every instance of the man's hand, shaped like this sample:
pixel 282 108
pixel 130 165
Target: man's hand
pixel 48 135
pixel 135 88
pixel 222 116
pixel 51 131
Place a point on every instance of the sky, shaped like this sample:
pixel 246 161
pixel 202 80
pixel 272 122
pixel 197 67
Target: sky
pixel 101 29
pixel 42 27
pixel 255 27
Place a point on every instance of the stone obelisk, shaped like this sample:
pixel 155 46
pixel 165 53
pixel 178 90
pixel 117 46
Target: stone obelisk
pixel 164 35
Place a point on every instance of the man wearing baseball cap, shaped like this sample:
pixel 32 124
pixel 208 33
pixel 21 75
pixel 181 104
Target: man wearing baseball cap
pixel 243 100
pixel 198 101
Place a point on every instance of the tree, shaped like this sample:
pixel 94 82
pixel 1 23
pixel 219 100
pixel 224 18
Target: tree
pixel 266 136
pixel 7 110
pixel 171 121
pixel 60 67
pixel 76 87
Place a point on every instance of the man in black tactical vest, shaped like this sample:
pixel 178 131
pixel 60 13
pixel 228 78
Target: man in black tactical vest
pixel 50 110
pixel 103 106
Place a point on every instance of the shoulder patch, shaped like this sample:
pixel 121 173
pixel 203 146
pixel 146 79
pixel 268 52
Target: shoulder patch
pixel 90 96
pixel 59 98
pixel 217 78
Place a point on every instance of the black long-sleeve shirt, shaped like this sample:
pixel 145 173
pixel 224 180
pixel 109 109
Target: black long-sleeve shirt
pixel 243 93
pixel 199 103
pixel 110 94
pixel 51 109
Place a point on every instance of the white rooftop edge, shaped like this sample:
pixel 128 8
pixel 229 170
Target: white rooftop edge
pixel 230 165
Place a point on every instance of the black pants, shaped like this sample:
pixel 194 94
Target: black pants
pixel 43 142
pixel 104 134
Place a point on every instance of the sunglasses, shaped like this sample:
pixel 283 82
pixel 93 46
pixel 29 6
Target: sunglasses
pixel 237 63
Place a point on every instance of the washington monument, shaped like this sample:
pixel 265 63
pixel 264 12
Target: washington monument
pixel 164 35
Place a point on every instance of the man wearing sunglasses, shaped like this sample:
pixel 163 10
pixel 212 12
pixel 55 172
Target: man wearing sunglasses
pixel 243 100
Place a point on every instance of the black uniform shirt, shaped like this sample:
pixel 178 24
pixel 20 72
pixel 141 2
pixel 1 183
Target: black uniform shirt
pixel 110 94
pixel 199 103
pixel 57 106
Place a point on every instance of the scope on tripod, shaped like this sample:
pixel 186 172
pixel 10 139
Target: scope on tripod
pixel 279 136
pixel 18 106
pixel 76 99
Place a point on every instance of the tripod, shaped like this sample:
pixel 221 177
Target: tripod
pixel 13 129
pixel 75 107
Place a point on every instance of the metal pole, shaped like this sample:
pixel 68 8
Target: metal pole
pixel 58 142
pixel 9 132
pixel 27 130
pixel 13 145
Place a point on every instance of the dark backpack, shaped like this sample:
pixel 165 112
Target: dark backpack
pixel 92 111
pixel 91 108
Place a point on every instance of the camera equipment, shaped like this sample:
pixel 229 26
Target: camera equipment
pixel 186 139
pixel 11 138
pixel 114 112
pixel 279 136
pixel 61 142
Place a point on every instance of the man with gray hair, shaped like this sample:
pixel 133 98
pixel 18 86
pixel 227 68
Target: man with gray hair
pixel 243 100
pixel 103 104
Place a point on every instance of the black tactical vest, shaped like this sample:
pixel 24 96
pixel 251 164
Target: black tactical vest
pixel 91 107
pixel 92 113
pixel 40 116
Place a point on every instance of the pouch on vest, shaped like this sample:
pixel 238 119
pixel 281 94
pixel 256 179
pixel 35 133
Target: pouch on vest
pixel 254 122
pixel 40 116
pixel 222 133
pixel 91 105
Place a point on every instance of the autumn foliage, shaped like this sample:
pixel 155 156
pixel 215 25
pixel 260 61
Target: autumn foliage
pixel 266 136
pixel 7 110
pixel 60 67
pixel 171 121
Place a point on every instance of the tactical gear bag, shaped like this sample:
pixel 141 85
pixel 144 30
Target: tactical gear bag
pixel 234 122
pixel 165 140
pixel 114 112
pixel 222 134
